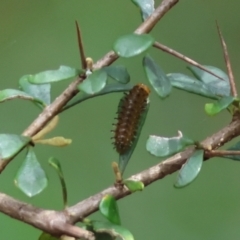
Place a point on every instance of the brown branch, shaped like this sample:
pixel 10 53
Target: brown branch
pixel 59 222
pixel 184 58
pixel 55 107
pixel 228 64
pixel 49 221
pixel 54 222
pixel 159 171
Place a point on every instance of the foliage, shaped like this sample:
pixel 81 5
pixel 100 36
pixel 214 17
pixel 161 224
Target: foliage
pixel 31 178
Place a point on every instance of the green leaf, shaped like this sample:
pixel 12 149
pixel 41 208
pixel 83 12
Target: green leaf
pixel 217 86
pixel 190 84
pixel 11 144
pixel 113 230
pixel 110 88
pixel 132 44
pixel 41 92
pixel 57 166
pixel 124 158
pixel 31 178
pixel 103 236
pixel 214 108
pixel 9 94
pixel 146 6
pixel 207 77
pixel 109 209
pixel 163 147
pixel 134 186
pixel 157 77
pixel 119 73
pixel 47 236
pixel 190 169
pixel 235 147
pixel 62 73
pixel 94 83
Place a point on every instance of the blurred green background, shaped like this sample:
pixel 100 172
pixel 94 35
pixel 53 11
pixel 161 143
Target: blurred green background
pixel 40 35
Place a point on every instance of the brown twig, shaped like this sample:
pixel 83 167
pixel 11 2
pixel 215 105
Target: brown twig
pixel 221 153
pixel 228 63
pixel 184 58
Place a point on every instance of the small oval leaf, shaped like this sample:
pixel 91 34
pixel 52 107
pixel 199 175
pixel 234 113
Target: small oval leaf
pixel 113 230
pixel 217 86
pixel 108 207
pixel 11 144
pixel 41 92
pixel 119 73
pixel 62 73
pixel 190 169
pixel 214 108
pixel 157 77
pixel 9 94
pixel 132 44
pixel 94 83
pixel 163 147
pixel 146 6
pixel 31 178
pixel 207 77
pixel 134 186
pixel 190 84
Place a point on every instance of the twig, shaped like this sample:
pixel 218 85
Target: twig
pixel 184 58
pixel 228 63
pixel 221 153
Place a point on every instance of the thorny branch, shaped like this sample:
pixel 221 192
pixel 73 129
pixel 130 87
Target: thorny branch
pixel 61 222
pixel 55 107
pixel 53 222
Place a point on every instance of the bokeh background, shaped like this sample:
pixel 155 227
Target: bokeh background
pixel 40 35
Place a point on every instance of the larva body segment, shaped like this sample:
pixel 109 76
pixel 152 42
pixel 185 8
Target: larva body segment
pixel 131 107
